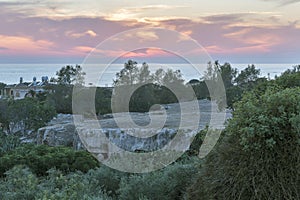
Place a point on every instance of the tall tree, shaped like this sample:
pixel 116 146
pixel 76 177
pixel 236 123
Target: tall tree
pixel 228 74
pixel 24 114
pixel 144 88
pixel 70 74
pixel 250 74
pixel 215 71
pixel 128 75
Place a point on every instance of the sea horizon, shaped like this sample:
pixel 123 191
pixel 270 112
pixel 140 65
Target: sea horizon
pixel 11 73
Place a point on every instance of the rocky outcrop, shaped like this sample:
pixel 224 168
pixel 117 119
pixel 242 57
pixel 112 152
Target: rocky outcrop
pixel 61 130
pixel 59 134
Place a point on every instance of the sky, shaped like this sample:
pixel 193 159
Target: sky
pixel 65 31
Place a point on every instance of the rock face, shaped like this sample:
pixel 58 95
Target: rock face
pixel 124 139
pixel 62 131
pixel 60 134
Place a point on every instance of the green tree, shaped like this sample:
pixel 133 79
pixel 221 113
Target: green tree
pixel 60 97
pixel 2 86
pixel 290 78
pixel 20 184
pixel 143 98
pixel 143 89
pixel 144 74
pixel 4 114
pixel 211 71
pixel 215 77
pixel 228 74
pixel 70 74
pixel 128 75
pixel 250 74
pixel 103 100
pixel 41 158
pixel 8 142
pixel 258 156
pixel 29 113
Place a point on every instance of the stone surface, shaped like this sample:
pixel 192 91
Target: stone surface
pixel 61 130
pixel 59 134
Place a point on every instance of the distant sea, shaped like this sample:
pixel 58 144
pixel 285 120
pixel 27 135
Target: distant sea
pixel 11 73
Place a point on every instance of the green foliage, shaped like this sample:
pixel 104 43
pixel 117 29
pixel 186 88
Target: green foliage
pixel 106 179
pixel 4 115
pixel 214 77
pixel 216 71
pixel 146 88
pixel 71 186
pixel 235 83
pixel 32 113
pixel 261 120
pixel 258 157
pixel 28 113
pixel 197 142
pixel 250 74
pixel 103 100
pixel 70 74
pixel 200 89
pixel 40 158
pixel 228 74
pixel 290 78
pixel 235 93
pixel 143 98
pixel 60 97
pixel 8 142
pixel 128 75
pixel 169 183
pixel 21 183
pixel 99 183
pixel 2 85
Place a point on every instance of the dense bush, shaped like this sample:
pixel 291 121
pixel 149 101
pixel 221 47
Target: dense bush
pixel 106 178
pixel 60 97
pixel 40 158
pixel 197 142
pixel 169 183
pixel 290 78
pixel 24 114
pixel 8 142
pixel 259 155
pixel 99 183
pixel 21 183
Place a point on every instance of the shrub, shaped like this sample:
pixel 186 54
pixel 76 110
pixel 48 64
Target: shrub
pixel 8 142
pixel 258 157
pixel 40 158
pixel 197 142
pixel 71 186
pixel 169 183
pixel 106 178
pixel 21 183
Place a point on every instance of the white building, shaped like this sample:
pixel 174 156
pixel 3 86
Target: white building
pixel 24 89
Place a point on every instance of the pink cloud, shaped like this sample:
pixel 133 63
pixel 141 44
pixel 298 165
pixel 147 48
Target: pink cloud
pixel 221 35
pixel 24 45
pixel 147 53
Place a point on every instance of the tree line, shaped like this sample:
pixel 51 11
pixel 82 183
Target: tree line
pixel 150 88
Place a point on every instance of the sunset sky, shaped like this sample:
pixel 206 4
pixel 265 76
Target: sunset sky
pixel 65 31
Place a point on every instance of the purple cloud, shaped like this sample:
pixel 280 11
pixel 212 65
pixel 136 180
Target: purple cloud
pixel 226 36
